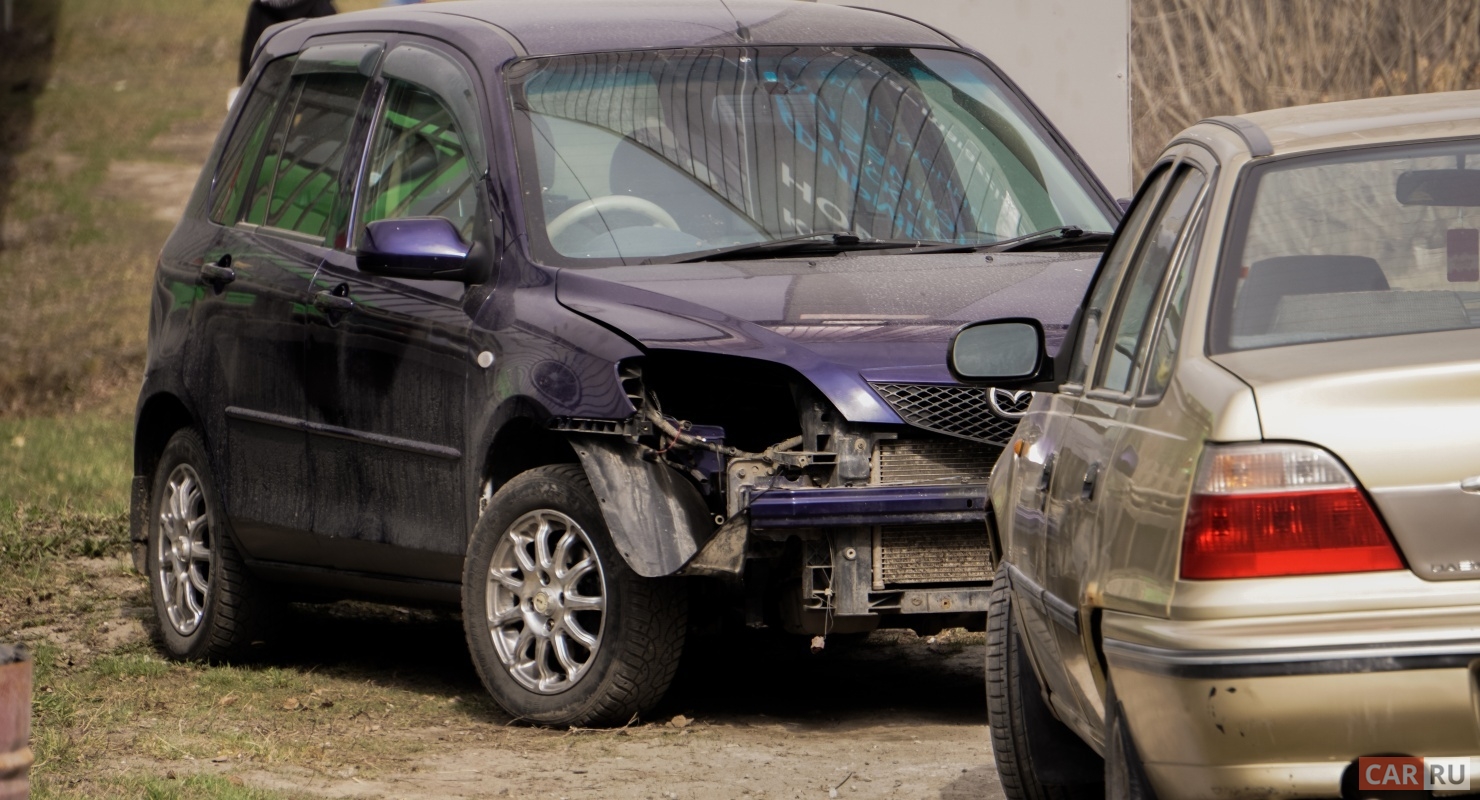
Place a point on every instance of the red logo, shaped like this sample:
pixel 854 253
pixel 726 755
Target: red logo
pixel 1390 772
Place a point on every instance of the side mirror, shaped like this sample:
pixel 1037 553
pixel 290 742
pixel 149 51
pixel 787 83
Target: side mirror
pixel 1000 352
pixel 418 248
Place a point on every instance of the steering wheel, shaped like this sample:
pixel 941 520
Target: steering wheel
pixel 611 202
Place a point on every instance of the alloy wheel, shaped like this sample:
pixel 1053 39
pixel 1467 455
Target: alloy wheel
pixel 183 549
pixel 546 601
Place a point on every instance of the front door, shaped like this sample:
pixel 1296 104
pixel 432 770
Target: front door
pixel 388 359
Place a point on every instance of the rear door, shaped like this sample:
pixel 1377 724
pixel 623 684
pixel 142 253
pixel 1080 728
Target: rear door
pixel 1049 471
pixel 388 359
pixel 285 210
pixel 1092 461
pixel 1140 259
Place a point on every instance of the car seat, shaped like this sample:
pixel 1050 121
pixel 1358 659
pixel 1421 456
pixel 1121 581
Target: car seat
pixel 1272 279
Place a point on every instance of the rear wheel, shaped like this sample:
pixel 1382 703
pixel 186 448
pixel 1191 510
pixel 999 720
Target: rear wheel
pixel 561 630
pixel 1038 757
pixel 208 606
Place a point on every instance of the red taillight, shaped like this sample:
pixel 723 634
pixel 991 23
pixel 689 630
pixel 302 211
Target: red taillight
pixel 1269 510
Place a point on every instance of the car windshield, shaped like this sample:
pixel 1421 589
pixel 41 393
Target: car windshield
pixel 656 156
pixel 1361 243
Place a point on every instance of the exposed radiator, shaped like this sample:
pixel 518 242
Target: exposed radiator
pixel 912 555
pixel 906 461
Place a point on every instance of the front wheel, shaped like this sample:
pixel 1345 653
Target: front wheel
pixel 1038 757
pixel 560 629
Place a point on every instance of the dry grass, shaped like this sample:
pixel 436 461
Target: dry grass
pixel 1199 58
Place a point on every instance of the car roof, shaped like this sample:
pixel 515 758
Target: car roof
pixel 550 27
pixel 1379 120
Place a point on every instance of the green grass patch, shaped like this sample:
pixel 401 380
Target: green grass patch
pixel 151 787
pixel 82 462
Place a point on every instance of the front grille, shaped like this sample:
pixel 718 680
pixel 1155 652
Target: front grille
pixel 915 554
pixel 904 461
pixel 964 411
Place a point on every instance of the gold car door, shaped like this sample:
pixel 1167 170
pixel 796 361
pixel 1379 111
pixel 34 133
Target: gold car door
pixel 1082 488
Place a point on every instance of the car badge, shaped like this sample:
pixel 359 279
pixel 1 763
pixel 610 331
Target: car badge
pixel 1010 404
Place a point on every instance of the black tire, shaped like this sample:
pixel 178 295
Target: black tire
pixel 1125 776
pixel 219 611
pixel 1038 757
pixel 608 675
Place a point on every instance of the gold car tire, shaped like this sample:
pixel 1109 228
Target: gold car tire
pixel 208 606
pixel 561 631
pixel 1038 757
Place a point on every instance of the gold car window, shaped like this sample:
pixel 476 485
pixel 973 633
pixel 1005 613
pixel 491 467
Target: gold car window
pixel 1121 358
pixel 1111 269
pixel 1357 243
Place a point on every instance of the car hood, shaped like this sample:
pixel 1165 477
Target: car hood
pixel 1401 412
pixel 841 321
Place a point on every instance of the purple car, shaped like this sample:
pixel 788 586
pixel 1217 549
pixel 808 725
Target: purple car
pixel 563 312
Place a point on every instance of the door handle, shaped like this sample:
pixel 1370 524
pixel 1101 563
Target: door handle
pixel 332 300
pixel 1045 480
pixel 1091 479
pixel 218 274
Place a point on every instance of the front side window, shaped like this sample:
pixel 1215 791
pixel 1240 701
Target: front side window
pixel 297 186
pixel 426 149
pixel 419 164
pixel 664 154
pixel 1136 302
pixel 1112 266
pixel 1354 244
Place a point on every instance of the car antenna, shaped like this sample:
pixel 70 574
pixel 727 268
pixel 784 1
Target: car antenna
pixel 740 28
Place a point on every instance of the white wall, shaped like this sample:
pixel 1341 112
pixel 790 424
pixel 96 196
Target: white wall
pixel 1071 56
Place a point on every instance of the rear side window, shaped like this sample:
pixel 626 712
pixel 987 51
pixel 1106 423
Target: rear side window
pixel 245 145
pixel 297 187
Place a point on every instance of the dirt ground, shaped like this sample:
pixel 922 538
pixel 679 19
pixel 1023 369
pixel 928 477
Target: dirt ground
pixel 369 701
pixel 896 717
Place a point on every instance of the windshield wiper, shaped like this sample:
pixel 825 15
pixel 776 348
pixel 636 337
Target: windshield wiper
pixel 1049 238
pixel 808 243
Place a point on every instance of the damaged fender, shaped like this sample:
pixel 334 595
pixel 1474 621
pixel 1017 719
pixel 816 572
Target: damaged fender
pixel 657 518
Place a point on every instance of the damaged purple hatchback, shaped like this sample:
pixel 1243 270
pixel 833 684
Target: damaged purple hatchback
pixel 565 311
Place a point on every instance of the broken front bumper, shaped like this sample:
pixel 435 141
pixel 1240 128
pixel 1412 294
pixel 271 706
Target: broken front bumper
pixel 868 505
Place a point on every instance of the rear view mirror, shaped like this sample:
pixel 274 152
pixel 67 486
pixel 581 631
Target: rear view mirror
pixel 419 248
pixel 1439 187
pixel 998 352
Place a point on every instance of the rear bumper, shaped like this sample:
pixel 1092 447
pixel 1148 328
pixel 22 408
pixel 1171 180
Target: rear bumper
pixel 868 505
pixel 1287 718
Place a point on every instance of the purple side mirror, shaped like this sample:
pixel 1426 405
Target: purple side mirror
pixel 420 248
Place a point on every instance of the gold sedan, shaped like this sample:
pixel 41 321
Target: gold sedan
pixel 1238 532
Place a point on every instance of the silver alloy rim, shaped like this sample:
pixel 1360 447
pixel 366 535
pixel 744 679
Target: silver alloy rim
pixel 183 550
pixel 546 601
